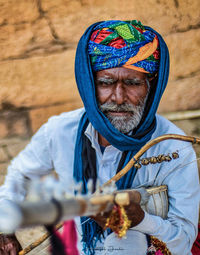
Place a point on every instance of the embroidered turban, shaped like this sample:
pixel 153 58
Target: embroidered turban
pixel 124 43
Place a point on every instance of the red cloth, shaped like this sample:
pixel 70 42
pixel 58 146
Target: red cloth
pixel 69 238
pixel 196 245
pixel 99 35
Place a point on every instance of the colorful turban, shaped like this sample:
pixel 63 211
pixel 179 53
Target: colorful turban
pixel 124 44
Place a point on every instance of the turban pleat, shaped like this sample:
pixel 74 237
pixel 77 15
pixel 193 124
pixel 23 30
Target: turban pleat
pixel 124 43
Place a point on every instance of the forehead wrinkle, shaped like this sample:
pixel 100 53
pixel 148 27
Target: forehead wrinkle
pixel 134 79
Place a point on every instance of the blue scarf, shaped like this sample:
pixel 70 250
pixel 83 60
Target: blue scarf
pixel 132 144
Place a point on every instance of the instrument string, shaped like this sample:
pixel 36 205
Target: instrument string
pixel 81 225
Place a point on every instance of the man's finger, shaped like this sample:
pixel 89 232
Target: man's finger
pixel 9 247
pixel 3 252
pixel 13 251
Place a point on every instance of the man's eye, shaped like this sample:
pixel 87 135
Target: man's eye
pixel 108 82
pixel 134 82
pixel 105 83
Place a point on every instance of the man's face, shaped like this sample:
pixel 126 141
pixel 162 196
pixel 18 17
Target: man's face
pixel 121 95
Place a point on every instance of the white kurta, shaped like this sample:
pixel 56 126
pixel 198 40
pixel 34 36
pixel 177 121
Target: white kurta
pixel 52 147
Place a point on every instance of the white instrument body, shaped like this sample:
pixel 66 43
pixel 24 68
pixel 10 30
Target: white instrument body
pixel 154 200
pixel 157 203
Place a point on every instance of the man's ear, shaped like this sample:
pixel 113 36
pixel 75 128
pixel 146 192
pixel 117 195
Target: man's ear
pixel 153 81
pixel 151 78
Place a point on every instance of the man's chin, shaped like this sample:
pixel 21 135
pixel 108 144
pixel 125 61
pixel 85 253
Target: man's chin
pixel 124 124
pixel 125 121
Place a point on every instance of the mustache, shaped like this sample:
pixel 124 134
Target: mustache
pixel 113 107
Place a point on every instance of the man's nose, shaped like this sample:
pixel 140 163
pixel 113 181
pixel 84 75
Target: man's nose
pixel 119 94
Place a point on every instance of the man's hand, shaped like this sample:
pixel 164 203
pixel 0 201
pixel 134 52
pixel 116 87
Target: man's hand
pixel 100 218
pixel 9 245
pixel 133 210
pixel 135 213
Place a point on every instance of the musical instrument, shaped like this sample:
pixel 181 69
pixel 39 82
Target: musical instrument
pixel 154 200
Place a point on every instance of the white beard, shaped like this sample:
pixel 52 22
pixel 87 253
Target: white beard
pixel 124 124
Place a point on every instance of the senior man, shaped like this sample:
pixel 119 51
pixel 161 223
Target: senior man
pixel 121 72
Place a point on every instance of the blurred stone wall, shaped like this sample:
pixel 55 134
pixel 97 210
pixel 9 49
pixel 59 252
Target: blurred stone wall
pixel 38 39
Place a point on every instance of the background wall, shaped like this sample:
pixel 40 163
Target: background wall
pixel 38 39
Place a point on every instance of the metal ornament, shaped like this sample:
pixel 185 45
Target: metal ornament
pixel 147 146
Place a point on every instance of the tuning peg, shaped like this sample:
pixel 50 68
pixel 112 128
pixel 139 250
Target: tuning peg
pixel 78 188
pixel 106 190
pixel 113 186
pixel 59 191
pixel 49 185
pixel 97 184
